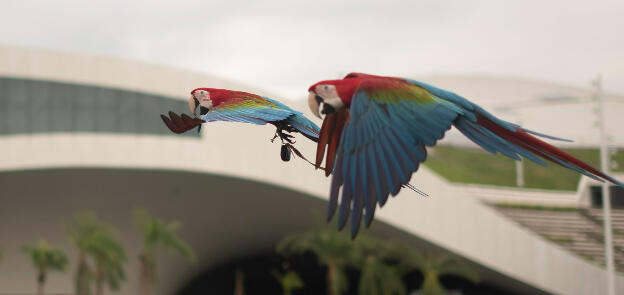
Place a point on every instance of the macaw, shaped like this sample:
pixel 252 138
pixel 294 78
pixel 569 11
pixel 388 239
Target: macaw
pixel 237 106
pixel 376 129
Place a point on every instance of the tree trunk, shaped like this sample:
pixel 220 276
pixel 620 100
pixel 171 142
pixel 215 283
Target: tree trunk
pixel 239 285
pixel 40 281
pixel 82 275
pixel 99 278
pixel 331 270
pixel 146 275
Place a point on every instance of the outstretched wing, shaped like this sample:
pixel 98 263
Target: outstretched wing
pixel 383 143
pixel 499 136
pixel 390 122
pixel 249 109
pixel 298 121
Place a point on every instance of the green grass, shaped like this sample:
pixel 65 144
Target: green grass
pixel 560 240
pixel 535 207
pixel 472 165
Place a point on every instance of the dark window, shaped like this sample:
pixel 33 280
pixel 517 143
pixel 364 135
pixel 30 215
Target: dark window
pixel 617 196
pixel 32 106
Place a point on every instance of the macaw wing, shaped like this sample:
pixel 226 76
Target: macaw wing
pixel 499 136
pixel 382 144
pixel 255 110
pixel 376 145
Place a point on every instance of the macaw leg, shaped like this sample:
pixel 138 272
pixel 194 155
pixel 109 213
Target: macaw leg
pixel 284 137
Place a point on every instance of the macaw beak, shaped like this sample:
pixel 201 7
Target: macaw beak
pixel 193 104
pixel 314 102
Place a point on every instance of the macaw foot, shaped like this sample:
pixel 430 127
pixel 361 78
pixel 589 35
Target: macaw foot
pixel 287 142
pixel 284 137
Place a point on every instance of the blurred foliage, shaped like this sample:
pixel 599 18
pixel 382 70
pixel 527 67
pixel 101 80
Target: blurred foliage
pixel 433 267
pixel 289 281
pixel 378 274
pixel 99 241
pixel 382 264
pixel 333 249
pixel 155 232
pixel 45 257
pixel 473 165
pixel 101 255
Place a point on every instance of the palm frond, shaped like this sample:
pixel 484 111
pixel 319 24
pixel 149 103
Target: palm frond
pixel 46 257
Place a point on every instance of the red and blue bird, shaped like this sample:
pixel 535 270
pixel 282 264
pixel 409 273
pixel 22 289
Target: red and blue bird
pixel 236 106
pixel 376 130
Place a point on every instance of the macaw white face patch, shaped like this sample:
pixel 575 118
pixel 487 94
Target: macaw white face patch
pixel 329 95
pixel 326 97
pixel 203 97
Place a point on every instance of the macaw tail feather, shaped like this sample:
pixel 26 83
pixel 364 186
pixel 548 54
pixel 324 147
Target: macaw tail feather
pixel 330 138
pixel 181 124
pixel 514 141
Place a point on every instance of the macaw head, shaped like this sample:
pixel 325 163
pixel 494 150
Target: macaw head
pixel 200 97
pixel 329 96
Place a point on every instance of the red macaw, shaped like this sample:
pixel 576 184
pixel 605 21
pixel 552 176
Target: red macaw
pixel 376 129
pixel 237 106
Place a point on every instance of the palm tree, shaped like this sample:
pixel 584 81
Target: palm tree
pixel 378 274
pixel 289 281
pixel 44 258
pixel 239 282
pixel 80 232
pixel 333 249
pixel 98 241
pixel 432 268
pixel 156 232
pixel 109 257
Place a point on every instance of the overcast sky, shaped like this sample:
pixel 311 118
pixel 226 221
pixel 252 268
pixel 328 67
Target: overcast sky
pixel 284 46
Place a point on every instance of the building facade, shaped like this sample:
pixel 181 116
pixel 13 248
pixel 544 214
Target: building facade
pixel 81 132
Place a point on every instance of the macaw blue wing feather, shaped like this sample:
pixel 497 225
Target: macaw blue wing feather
pixel 261 110
pixel 389 123
pixel 383 144
pixel 248 110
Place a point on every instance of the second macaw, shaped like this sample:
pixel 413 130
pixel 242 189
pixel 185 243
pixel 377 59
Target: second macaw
pixel 376 129
pixel 236 106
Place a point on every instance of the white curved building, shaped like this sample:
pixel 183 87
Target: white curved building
pixel 83 132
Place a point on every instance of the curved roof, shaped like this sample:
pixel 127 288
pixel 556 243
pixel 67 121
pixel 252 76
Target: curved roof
pixel 450 218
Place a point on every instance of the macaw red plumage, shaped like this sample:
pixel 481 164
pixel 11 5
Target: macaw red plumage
pixel 376 129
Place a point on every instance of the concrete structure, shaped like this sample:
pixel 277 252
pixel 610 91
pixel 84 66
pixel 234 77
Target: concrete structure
pixel 229 187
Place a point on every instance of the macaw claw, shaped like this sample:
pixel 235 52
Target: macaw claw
pixel 180 124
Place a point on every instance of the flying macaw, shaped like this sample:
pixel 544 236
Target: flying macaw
pixel 237 106
pixel 376 129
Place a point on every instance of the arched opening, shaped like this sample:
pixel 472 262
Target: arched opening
pixel 229 221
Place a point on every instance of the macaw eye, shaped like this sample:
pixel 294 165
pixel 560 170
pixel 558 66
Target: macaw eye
pixel 325 87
